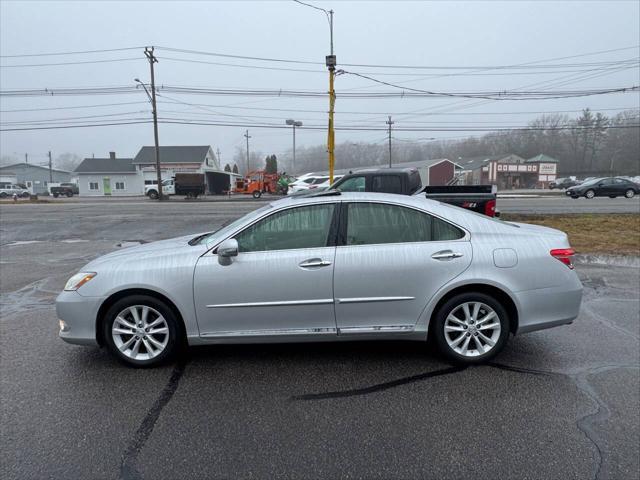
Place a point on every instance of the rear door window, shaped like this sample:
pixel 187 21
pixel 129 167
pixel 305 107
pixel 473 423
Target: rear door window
pixel 386 184
pixel 378 223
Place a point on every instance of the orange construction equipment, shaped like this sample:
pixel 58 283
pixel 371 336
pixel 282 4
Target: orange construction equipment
pixel 257 182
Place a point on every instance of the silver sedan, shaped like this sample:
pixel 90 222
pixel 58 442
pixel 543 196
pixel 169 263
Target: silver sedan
pixel 331 267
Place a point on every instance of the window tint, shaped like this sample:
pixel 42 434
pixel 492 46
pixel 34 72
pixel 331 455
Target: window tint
pixel 302 227
pixel 372 223
pixel 607 181
pixel 386 184
pixel 353 184
pixel 620 181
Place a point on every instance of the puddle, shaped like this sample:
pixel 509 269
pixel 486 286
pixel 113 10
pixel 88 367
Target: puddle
pixel 130 243
pixel 21 242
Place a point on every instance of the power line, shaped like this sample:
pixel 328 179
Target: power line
pixel 534 64
pixel 81 52
pixel 71 63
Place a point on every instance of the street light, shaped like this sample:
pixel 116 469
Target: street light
pixel 294 124
pixel 331 63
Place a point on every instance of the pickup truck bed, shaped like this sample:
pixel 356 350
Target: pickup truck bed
pixel 406 181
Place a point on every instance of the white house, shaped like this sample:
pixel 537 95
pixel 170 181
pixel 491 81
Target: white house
pixel 184 158
pixel 128 176
pixel 109 176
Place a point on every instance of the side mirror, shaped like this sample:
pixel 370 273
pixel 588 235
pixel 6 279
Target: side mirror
pixel 226 250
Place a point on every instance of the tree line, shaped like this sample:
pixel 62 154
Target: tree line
pixel 588 144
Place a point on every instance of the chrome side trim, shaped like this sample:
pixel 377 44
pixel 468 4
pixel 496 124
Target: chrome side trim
pixel 377 329
pixel 270 333
pixel 371 299
pixel 320 301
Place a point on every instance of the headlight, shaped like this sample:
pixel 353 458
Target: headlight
pixel 79 279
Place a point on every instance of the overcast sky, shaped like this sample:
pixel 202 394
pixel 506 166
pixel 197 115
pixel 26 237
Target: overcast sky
pixel 450 34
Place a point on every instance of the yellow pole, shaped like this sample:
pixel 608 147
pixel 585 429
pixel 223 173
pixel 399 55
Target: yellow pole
pixel 331 140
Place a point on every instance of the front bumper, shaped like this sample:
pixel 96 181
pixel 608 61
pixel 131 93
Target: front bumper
pixel 548 307
pixel 79 314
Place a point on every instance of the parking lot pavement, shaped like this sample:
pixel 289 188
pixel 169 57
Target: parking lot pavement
pixel 561 403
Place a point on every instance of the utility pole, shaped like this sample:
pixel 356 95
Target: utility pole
pixel 219 158
pixel 26 158
pixel 50 168
pixel 331 65
pixel 148 51
pixel 389 122
pixel 247 136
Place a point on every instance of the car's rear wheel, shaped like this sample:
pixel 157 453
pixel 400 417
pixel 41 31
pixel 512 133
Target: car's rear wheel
pixel 69 194
pixel 471 328
pixel 629 193
pixel 142 331
pixel 589 194
pixel 55 195
pixel 153 195
pixel 257 194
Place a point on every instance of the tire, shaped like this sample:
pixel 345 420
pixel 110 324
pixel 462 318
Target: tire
pixel 589 194
pixel 148 354
pixel 629 193
pixel 3 194
pixel 452 344
pixel 152 194
pixel 26 195
pixel 55 195
pixel 69 194
pixel 257 194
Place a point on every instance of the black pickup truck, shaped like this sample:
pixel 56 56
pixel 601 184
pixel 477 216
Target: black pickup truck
pixel 65 189
pixel 406 181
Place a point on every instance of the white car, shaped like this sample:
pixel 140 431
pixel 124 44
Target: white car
pixel 168 188
pixel 8 190
pixel 301 184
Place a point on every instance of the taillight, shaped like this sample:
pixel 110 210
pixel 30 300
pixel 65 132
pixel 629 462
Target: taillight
pixel 564 255
pixel 490 208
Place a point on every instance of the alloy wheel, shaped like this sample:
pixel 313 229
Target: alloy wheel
pixel 629 193
pixel 472 329
pixel 590 194
pixel 140 332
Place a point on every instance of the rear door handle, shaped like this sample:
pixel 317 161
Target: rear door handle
pixel 314 262
pixel 446 255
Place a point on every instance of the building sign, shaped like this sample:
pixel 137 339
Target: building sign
pixel 548 168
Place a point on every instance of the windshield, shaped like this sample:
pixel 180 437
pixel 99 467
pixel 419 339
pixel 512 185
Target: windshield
pixel 593 182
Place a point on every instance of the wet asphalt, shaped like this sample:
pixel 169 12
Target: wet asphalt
pixel 562 403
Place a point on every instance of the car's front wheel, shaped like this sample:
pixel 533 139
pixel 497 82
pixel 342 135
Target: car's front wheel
pixel 589 194
pixel 471 328
pixel 629 193
pixel 142 331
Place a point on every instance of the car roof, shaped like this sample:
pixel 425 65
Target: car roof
pixel 334 196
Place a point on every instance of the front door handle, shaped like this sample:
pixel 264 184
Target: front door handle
pixel 446 255
pixel 314 262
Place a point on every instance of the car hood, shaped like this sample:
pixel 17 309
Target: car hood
pixel 170 247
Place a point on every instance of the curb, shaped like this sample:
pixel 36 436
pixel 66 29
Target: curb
pixel 612 260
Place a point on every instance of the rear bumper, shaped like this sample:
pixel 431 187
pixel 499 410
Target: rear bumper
pixel 79 315
pixel 548 307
